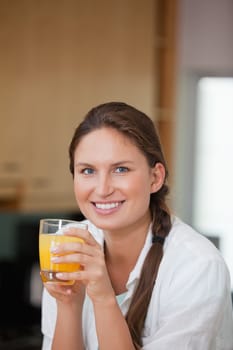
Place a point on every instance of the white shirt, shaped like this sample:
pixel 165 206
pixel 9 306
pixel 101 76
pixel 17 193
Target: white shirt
pixel 190 307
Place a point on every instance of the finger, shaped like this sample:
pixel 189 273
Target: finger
pixel 84 234
pixel 77 275
pixel 56 289
pixel 81 275
pixel 83 248
pixel 82 259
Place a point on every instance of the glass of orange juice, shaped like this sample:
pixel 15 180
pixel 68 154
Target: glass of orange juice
pixel 52 234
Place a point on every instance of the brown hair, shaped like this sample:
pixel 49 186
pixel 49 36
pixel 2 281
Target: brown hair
pixel 140 129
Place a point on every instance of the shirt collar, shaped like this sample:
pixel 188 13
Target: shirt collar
pixel 135 273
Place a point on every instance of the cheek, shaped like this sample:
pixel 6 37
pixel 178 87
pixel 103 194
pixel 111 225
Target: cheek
pixel 81 197
pixel 80 189
pixel 140 187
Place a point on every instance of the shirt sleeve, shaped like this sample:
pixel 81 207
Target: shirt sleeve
pixel 47 343
pixel 48 320
pixel 194 309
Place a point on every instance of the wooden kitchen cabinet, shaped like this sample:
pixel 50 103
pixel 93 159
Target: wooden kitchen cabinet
pixel 59 59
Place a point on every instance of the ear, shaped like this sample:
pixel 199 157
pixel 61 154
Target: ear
pixel 158 176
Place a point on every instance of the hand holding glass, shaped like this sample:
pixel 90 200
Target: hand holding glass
pixel 51 235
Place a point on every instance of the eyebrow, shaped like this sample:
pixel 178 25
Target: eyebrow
pixel 114 164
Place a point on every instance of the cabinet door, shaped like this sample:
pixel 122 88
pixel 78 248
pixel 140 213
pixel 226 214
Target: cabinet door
pixel 71 56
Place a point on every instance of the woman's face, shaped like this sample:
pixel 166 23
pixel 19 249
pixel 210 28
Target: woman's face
pixel 112 180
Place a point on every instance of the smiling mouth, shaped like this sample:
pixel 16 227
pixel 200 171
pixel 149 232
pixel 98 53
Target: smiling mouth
pixel 107 206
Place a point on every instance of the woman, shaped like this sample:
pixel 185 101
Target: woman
pixel 148 281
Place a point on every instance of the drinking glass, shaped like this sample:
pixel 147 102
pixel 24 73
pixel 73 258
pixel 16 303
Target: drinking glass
pixel 51 234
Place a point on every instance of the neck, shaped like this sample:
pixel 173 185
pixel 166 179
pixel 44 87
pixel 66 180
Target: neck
pixel 123 248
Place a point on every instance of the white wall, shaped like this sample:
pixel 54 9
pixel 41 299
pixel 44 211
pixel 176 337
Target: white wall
pixel 206 35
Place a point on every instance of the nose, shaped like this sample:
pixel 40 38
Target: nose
pixel 104 186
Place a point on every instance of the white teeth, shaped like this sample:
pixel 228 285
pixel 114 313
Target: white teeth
pixel 107 205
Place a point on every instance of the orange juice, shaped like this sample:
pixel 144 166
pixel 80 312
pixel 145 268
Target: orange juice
pixel 48 268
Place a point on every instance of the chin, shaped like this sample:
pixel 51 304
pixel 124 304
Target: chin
pixel 105 224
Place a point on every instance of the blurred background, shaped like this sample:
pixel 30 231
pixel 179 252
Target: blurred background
pixel 173 59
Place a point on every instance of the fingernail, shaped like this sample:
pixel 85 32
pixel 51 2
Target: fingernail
pixel 54 249
pixel 54 258
pixel 59 274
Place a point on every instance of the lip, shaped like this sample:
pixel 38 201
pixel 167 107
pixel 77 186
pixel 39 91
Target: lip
pixel 106 208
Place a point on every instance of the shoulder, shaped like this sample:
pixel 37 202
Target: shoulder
pixel 191 296
pixel 187 241
pixel 190 256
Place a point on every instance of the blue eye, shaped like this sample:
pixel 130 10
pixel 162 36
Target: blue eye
pixel 122 169
pixel 87 171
